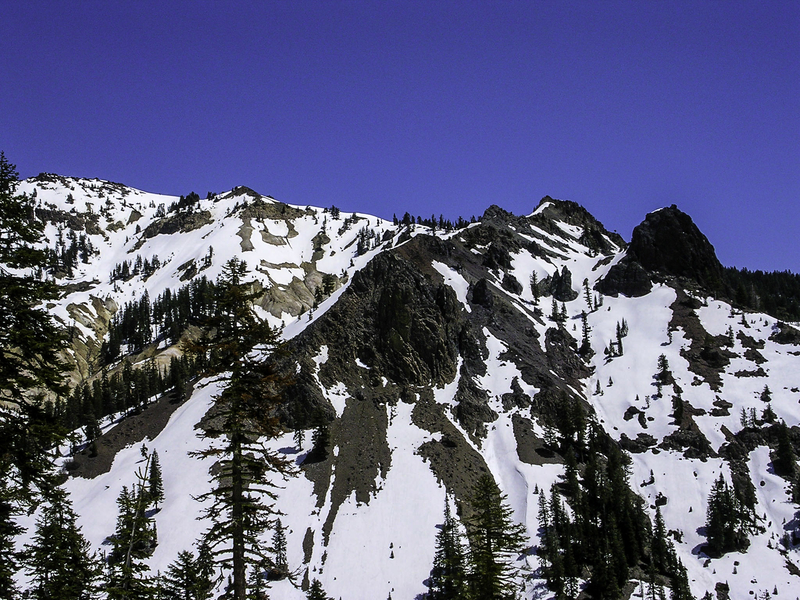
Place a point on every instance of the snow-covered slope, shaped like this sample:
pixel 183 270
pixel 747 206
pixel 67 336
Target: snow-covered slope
pixel 364 521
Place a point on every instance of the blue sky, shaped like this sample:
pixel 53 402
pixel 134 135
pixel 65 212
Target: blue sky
pixel 426 107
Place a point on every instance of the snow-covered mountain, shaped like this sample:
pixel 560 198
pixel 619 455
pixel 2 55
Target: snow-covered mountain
pixel 434 356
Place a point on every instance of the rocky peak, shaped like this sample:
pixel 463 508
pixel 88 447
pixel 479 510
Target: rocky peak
pixel 669 242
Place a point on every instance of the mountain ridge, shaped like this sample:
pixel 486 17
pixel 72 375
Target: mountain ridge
pixel 433 352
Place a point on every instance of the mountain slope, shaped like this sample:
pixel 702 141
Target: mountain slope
pixel 433 357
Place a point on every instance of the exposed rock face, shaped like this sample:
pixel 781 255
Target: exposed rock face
pixel 559 285
pixel 627 277
pixel 595 235
pixel 785 334
pixel 183 221
pixel 669 242
pixel 706 354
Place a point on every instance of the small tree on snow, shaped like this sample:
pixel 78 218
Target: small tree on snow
pixel 155 490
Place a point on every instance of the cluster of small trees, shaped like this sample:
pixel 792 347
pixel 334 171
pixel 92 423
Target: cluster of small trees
pixel 62 259
pixel 614 347
pixel 127 269
pixel 441 223
pixel 127 390
pixel 143 321
pixel 605 532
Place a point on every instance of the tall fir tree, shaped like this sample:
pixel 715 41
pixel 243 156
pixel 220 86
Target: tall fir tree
pixel 280 566
pixel 724 520
pixel 495 541
pixel 155 482
pixel 133 541
pixel 180 578
pixel 239 349
pixel 9 556
pixel 316 591
pixel 785 462
pixel 30 367
pixel 448 578
pixel 59 559
pixel 189 577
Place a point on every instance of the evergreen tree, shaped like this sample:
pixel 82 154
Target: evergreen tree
pixel 9 557
pixel 59 559
pixel 180 580
pixel 724 522
pixel 535 288
pixel 257 583
pixel 785 462
pixel 29 366
pixel 155 483
pixel 585 349
pixel 587 295
pixel 766 394
pixel 679 583
pixel 238 347
pixel 321 441
pixel 555 313
pixel 316 592
pixel 658 544
pixel 448 579
pixel 132 542
pixel 494 540
pixel 299 437
pixel 280 564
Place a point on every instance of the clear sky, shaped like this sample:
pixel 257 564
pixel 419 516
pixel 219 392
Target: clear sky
pixel 427 107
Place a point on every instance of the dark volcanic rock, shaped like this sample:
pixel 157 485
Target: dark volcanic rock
pixel 627 277
pixel 510 284
pixel 395 319
pixel 482 294
pixel 669 242
pixel 707 354
pixel 594 235
pixel 559 285
pixel 183 222
pixel 785 334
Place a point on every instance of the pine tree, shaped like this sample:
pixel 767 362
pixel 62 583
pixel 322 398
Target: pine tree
pixel 155 482
pixel 180 579
pixel 724 522
pixel 29 365
pixel 321 440
pixel 280 565
pixel 316 591
pixel 766 394
pixel 658 544
pixel 133 541
pixel 535 288
pixel 238 347
pixel 555 314
pixel 785 462
pixel 299 437
pixel 448 579
pixel 587 295
pixel 257 583
pixel 9 557
pixel 59 559
pixel 585 349
pixel 495 540
pixel 679 583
